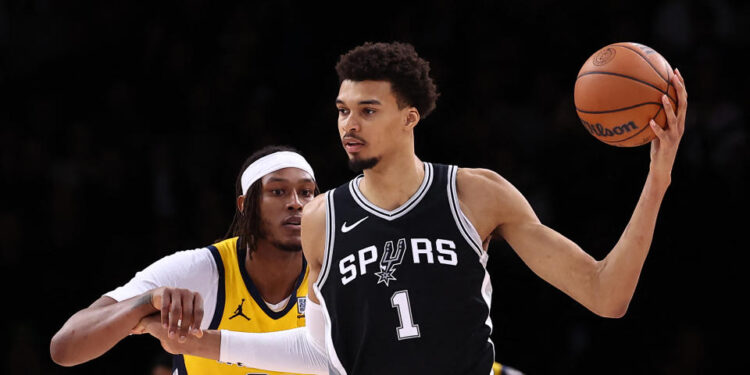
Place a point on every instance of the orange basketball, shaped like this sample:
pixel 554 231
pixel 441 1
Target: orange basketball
pixel 618 91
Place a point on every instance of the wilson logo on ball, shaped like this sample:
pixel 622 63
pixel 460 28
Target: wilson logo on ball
pixel 600 131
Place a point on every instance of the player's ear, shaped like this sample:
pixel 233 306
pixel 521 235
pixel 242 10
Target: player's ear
pixel 412 118
pixel 241 203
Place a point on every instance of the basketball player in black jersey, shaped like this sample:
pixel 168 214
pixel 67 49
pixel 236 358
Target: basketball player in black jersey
pixel 401 250
pixel 399 253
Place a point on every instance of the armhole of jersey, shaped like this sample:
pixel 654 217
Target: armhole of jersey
pixel 220 293
pixel 330 238
pixel 334 363
pixel 472 237
pixel 467 230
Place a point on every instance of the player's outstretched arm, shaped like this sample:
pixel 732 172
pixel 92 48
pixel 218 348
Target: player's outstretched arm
pixel 497 208
pixel 604 287
pixel 94 330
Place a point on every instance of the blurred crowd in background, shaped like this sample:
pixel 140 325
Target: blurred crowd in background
pixel 123 128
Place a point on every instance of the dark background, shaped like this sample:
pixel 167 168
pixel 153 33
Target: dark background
pixel 124 126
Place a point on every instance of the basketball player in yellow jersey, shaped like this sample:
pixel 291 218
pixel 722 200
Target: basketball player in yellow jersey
pixel 254 281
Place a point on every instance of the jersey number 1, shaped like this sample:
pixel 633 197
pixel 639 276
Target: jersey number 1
pixel 407 329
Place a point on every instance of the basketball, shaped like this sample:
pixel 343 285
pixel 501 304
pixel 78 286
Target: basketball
pixel 618 91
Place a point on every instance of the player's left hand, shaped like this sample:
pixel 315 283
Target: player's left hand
pixel 664 146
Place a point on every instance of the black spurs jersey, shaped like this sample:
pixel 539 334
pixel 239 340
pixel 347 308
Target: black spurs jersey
pixel 405 291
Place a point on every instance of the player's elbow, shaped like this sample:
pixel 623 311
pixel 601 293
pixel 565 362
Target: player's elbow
pixel 58 350
pixel 610 296
pixel 614 314
pixel 610 306
pixel 613 310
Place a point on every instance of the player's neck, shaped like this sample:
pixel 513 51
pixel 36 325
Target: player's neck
pixel 392 181
pixel 273 271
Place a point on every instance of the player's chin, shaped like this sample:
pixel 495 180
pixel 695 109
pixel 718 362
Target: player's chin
pixel 290 235
pixel 292 245
pixel 359 163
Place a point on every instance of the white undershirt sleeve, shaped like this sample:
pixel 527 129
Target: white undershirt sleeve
pixel 190 269
pixel 299 350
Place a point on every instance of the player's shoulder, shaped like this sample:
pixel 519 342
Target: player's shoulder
pixel 487 198
pixel 191 258
pixel 314 216
pixel 481 180
pixel 486 192
pixel 227 244
pixel 316 207
pixel 314 230
pixel 182 269
pixel 489 194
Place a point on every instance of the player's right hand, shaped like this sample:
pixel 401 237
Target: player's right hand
pixel 181 311
pixel 151 324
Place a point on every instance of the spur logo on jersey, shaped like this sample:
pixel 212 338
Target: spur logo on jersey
pixel 390 260
pixel 354 265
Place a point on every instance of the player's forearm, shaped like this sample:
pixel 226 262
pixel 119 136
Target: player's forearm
pixel 207 346
pixel 289 351
pixel 620 270
pixel 299 350
pixel 292 351
pixel 93 331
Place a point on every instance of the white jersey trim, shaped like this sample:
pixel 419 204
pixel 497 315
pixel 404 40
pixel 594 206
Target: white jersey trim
pixel 334 363
pixel 464 225
pixel 401 210
pixel 471 235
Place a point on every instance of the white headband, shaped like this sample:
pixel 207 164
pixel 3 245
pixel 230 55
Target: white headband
pixel 272 163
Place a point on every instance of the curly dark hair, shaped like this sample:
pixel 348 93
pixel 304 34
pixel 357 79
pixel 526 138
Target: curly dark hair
pixel 397 63
pixel 247 224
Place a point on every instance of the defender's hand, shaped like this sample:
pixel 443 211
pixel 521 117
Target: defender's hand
pixel 152 325
pixel 664 146
pixel 207 346
pixel 143 325
pixel 181 311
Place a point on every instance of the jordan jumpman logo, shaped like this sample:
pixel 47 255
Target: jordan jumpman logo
pixel 238 312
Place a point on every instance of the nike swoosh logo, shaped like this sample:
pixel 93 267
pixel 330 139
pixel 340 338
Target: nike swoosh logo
pixel 345 228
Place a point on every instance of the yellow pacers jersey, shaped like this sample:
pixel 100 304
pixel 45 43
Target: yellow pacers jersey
pixel 240 307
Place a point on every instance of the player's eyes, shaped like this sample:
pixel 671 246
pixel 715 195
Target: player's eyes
pixel 343 111
pixel 277 192
pixel 368 111
pixel 307 192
